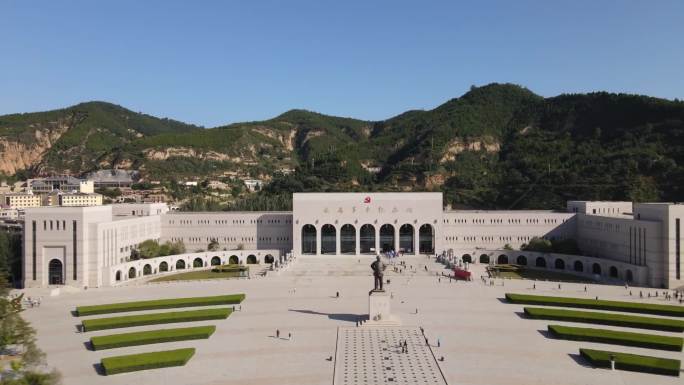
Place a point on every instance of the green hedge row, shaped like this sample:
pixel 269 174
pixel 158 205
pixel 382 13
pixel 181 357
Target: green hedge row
pixel 160 304
pixel 613 319
pixel 641 340
pixel 632 362
pixel 155 318
pixel 151 337
pixel 144 361
pixel 587 303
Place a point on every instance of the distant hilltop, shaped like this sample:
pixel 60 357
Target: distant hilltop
pixel 499 145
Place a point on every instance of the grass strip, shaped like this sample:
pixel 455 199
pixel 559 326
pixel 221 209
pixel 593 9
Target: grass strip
pixel 154 319
pixel 624 320
pixel 649 341
pixel 632 362
pixel 160 304
pixel 151 337
pixel 588 303
pixel 144 361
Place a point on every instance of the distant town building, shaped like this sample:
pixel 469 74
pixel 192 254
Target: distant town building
pixel 71 199
pixel 21 200
pixel 253 184
pixel 114 178
pixel 64 183
pixel 218 185
pixel 9 214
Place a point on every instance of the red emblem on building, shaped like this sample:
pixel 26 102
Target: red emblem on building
pixel 366 200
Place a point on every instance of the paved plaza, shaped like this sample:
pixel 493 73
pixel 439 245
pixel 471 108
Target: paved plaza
pixel 482 339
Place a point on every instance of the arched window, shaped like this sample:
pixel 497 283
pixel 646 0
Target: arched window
pixel 180 264
pixel 348 239
pixel 613 272
pixel 197 262
pixel 367 239
pixel 163 266
pixel 484 258
pixel 596 269
pixel 131 272
pixel 502 260
pixel 233 260
pixel 559 264
pixel 215 260
pixel 55 272
pixel 466 258
pixel 426 239
pixel 328 239
pixel 308 239
pixel 147 269
pixel 269 258
pixel 521 260
pixel 579 266
pixel 540 262
pixel 386 237
pixel 406 234
pixel 251 259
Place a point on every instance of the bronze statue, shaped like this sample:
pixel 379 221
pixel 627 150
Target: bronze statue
pixel 378 271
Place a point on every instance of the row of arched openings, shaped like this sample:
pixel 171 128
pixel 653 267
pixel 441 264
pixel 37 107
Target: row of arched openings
pixel 558 264
pixel 367 239
pixel 55 269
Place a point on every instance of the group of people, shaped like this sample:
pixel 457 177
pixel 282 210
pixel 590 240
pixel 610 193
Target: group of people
pixel 289 335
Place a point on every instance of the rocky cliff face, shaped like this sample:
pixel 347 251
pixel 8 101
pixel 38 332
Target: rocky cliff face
pixel 18 155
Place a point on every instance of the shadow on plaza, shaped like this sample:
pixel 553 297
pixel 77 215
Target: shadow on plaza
pixel 333 316
pixel 580 360
pixel 99 369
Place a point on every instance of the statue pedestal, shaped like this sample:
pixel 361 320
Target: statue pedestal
pixel 379 310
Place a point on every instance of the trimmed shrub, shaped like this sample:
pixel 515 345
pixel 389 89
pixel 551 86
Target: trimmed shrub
pixel 632 362
pixel 153 319
pixel 630 321
pixel 587 303
pixel 151 337
pixel 144 361
pixel 160 304
pixel 649 341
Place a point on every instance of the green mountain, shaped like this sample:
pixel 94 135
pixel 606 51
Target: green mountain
pixel 497 146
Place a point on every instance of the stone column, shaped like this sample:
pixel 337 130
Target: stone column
pixel 396 238
pixel 377 240
pixel 338 240
pixel 416 240
pixel 357 240
pixel 318 240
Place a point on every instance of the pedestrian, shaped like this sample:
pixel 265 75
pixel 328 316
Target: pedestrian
pixel 289 336
pixel 338 294
pixel 277 333
pixel 559 286
pixel 438 343
pixel 416 310
pixel 585 289
pixel 534 286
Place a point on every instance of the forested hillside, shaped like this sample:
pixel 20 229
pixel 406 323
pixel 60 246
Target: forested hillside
pixel 497 146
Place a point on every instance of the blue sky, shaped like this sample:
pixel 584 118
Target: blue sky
pixel 216 62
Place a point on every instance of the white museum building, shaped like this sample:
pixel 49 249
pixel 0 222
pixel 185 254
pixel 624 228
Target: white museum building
pixel 91 246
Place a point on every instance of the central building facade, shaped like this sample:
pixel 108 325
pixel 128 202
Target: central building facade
pixel 363 223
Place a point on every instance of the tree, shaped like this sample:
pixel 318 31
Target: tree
pixel 538 244
pixel 18 335
pixel 213 245
pixel 149 249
